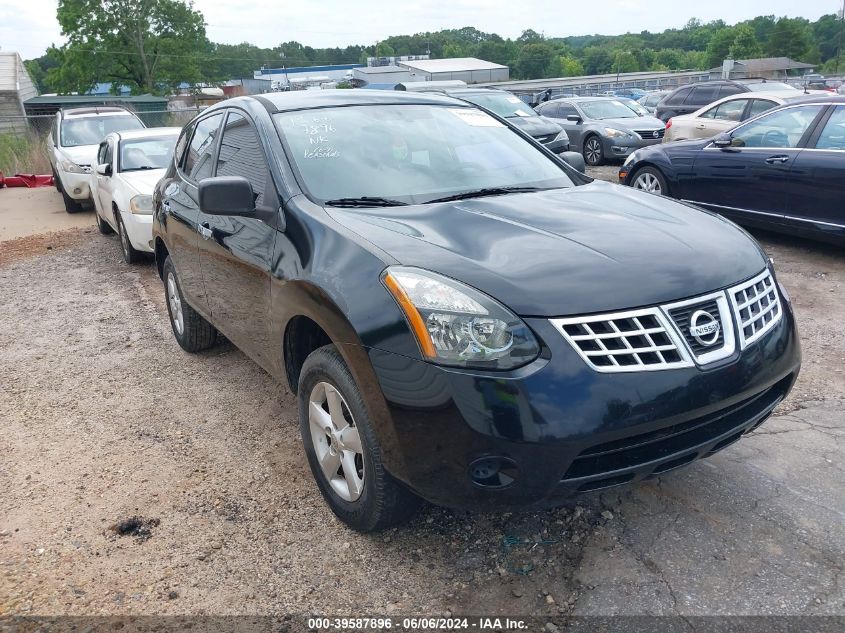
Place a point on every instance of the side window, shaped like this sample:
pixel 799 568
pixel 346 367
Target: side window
pixel 730 110
pixel 198 162
pixel 548 109
pixel 679 96
pixel 109 153
pixel 241 154
pixel 702 95
pixel 101 153
pixel 728 90
pixel 181 146
pixel 53 130
pixel 833 134
pixel 566 109
pixel 759 106
pixel 781 129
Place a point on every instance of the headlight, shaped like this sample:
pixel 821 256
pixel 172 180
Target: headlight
pixel 562 136
pixel 141 205
pixel 72 168
pixel 457 325
pixel 612 132
pixel 633 156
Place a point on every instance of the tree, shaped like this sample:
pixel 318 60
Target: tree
pixel 745 44
pixel 147 45
pixel 535 61
pixel 570 67
pixel 719 48
pixel 791 38
pixel 383 49
pixel 597 60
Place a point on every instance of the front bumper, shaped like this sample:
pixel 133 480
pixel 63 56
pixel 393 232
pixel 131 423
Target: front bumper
pixel 77 186
pixel 558 146
pixel 623 147
pixel 139 229
pixel 559 428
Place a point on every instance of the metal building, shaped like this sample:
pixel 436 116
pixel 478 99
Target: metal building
pixel 466 69
pixel 368 75
pixel 16 86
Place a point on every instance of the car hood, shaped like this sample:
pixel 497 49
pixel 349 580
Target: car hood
pixel 635 123
pixel 592 248
pixel 536 125
pixel 143 181
pixel 82 154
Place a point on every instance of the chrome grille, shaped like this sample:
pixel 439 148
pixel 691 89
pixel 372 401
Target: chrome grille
pixel 649 134
pixel 757 307
pixel 637 340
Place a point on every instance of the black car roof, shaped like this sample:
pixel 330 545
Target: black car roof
pixel 304 99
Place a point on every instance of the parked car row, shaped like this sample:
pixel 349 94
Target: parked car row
pixel 107 157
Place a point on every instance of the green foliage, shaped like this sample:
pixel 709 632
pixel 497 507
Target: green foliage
pixel 148 45
pixel 152 45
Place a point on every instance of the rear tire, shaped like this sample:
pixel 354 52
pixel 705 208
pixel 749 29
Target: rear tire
pixel 593 151
pixel 650 179
pixel 334 429
pixel 71 205
pixel 192 332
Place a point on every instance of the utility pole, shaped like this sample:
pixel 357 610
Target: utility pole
pixel 839 46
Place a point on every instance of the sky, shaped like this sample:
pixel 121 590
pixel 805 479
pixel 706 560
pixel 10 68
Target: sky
pixel 29 26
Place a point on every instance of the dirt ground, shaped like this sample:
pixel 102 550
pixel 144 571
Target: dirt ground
pixel 138 479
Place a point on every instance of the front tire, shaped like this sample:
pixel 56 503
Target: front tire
pixel 342 449
pixel 593 151
pixel 130 254
pixel 102 225
pixel 650 179
pixel 192 332
pixel 71 205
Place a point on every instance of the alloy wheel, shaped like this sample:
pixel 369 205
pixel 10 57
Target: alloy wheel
pixel 592 149
pixel 647 181
pixel 175 304
pixel 336 441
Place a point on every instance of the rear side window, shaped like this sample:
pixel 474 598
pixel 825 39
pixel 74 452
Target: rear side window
pixel 198 162
pixel 182 145
pixel 241 154
pixel 833 134
pixel 549 109
pixel 101 153
pixel 729 110
pixel 728 90
pixel 678 96
pixel 759 106
pixel 702 95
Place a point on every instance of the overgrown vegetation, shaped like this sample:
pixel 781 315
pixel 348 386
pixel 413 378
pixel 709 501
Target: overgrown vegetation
pixel 23 153
pixel 152 45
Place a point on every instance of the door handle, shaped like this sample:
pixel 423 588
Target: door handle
pixel 700 126
pixel 205 230
pixel 777 160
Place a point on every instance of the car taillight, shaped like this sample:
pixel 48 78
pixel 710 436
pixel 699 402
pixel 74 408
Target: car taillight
pixel 668 124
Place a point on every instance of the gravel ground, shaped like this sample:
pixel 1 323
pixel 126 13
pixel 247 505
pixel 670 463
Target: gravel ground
pixel 139 479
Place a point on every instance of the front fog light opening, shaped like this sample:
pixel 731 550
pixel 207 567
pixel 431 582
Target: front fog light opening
pixel 493 472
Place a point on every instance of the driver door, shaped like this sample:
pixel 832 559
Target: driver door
pixel 750 178
pixel 105 186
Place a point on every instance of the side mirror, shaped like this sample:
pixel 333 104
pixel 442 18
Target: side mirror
pixel 226 195
pixel 573 117
pixel 104 169
pixel 723 140
pixel 574 160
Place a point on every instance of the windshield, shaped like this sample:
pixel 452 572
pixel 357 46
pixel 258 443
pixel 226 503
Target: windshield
pixel 770 86
pixel 92 130
pixel 635 107
pixel 147 153
pixel 506 106
pixel 606 109
pixel 410 153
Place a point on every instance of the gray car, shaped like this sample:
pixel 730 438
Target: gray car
pixel 603 128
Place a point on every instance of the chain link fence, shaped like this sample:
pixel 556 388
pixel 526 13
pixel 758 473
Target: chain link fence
pixel 23 139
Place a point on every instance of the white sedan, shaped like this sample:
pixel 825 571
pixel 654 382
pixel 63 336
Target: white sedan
pixel 725 114
pixel 129 164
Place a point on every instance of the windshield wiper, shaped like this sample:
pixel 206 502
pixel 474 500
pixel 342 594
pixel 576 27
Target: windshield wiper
pixel 365 201
pixel 487 191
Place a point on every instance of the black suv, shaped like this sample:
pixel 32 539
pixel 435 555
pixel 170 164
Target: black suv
pixel 464 317
pixel 689 98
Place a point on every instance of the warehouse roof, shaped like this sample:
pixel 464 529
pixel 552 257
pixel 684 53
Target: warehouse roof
pixel 452 65
pixel 377 70
pixel 769 64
